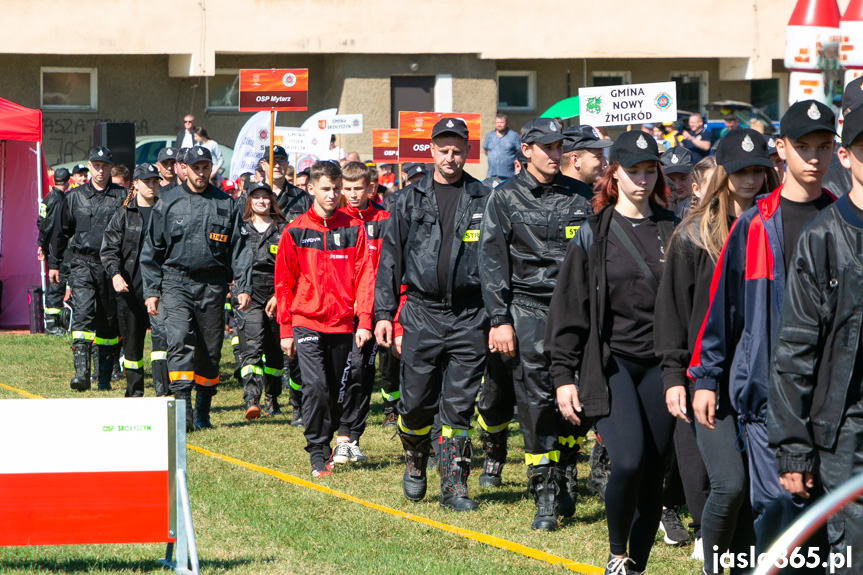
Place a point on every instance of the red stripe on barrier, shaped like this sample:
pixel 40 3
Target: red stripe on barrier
pixel 81 508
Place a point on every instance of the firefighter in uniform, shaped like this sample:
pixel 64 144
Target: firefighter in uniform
pixel 54 293
pixel 78 226
pixel 431 245
pixel 192 250
pixel 121 254
pixel 525 231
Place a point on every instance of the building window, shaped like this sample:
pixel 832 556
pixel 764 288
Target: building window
pixel 68 88
pixel 611 78
pixel 223 90
pixel 691 90
pixel 516 91
pixel 770 95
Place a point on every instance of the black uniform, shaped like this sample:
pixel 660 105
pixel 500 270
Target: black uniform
pixel 121 254
pixel 54 294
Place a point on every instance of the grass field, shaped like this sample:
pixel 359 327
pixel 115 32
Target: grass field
pixel 250 523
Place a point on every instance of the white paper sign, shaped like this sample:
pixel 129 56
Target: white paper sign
pixel 293 140
pixel 630 104
pixel 342 124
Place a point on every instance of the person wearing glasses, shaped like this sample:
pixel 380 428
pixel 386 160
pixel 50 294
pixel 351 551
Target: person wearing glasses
pixel 186 136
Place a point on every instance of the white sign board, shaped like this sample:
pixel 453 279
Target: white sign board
pixel 250 144
pixel 630 104
pixel 342 124
pixel 293 140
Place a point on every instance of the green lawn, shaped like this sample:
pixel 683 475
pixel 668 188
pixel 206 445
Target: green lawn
pixel 249 523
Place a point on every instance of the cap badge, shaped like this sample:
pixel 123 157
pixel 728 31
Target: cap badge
pixel 200 152
pixel 748 145
pixel 641 142
pixel 418 170
pixel 771 143
pixel 552 127
pixel 814 112
pixel 151 169
pixel 675 159
pixel 450 124
pixel 169 152
pixel 101 153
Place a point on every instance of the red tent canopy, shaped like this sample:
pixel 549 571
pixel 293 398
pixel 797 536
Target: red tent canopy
pixel 19 123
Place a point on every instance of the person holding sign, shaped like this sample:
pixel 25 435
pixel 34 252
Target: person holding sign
pixel 529 221
pixel 431 243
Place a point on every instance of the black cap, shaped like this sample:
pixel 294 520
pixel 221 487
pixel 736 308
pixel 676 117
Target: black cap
pixel 454 126
pixel 101 154
pixel 852 126
pixel 278 152
pixel 805 117
pixel 771 146
pixel 677 160
pixel 80 168
pixel 582 138
pixel 632 147
pixel 852 96
pixel 145 172
pixel 542 131
pixel 742 148
pixel 168 153
pixel 259 186
pixel 414 168
pixel 198 154
pixel 61 175
pixel 181 155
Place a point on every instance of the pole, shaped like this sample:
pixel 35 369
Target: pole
pixel 272 140
pixel 401 183
pixel 44 263
pixel 296 168
pixel 339 148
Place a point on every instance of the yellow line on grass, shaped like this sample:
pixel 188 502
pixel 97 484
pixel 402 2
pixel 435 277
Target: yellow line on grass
pixel 21 392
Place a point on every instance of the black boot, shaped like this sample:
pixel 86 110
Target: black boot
pixel 81 359
pixel 186 395
pixel 543 486
pixel 52 325
pixel 416 457
pixel 134 381
pixel 94 359
pixel 271 405
pixel 494 447
pixel 203 401
pixel 567 481
pixel 600 469
pixel 106 357
pixel 455 469
pixel 116 371
pixel 160 377
pixel 295 396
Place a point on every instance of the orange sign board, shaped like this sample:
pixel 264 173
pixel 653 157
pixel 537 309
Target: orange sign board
pixel 415 134
pixel 274 90
pixel 385 146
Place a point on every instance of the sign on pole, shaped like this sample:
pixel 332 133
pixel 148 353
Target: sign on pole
pixel 629 104
pixel 342 124
pixel 279 90
pixel 293 140
pixel 385 146
pixel 415 135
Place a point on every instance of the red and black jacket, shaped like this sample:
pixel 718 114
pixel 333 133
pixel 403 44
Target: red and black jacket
pixel 372 219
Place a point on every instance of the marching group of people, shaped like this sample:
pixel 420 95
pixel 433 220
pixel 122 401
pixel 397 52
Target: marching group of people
pixel 700 315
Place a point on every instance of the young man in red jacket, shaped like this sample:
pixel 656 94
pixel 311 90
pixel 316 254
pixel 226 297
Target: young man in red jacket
pixel 324 279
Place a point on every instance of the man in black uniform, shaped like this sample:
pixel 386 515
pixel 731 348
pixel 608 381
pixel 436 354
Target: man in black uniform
pixel 54 293
pixel 79 225
pixel 528 223
pixel 166 163
pixel 430 245
pixel 191 252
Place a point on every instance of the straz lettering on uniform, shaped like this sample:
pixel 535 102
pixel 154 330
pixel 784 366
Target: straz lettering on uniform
pixel 218 237
pixel 471 236
pixel 628 116
pixel 570 231
pixel 274 248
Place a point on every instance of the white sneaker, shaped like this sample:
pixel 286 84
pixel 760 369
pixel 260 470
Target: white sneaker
pixel 342 452
pixel 697 550
pixel 355 454
pixel 616 565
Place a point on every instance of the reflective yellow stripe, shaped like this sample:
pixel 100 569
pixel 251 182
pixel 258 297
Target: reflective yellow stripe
pixel 492 428
pixel 471 236
pixel 294 386
pixel 228 306
pixel 157 355
pixel 447 431
pixel 570 441
pixel 247 369
pixel 570 231
pixel 84 335
pixel 390 396
pixel 129 364
pixel 103 341
pixel 424 431
pixel 541 458
pixel 53 311
pixel 235 340
pixel 272 371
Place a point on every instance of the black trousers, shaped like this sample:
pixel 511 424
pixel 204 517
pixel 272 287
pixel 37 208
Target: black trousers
pixel 359 390
pixel 390 367
pixel 54 294
pixel 443 359
pixel 94 302
pixel 260 351
pixel 292 378
pixel 134 321
pixel 194 330
pixel 497 396
pixel 325 362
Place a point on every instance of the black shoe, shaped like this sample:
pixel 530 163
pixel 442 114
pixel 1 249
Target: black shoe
pixel 52 325
pixel 296 418
pixel 81 359
pixel 203 401
pixel 391 419
pixel 186 395
pixel 494 447
pixel 673 531
pixel 106 357
pixel 416 457
pixel 455 469
pixel 600 469
pixel 271 405
pixel 543 486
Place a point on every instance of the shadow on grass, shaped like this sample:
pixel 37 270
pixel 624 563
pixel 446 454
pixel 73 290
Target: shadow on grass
pixel 89 565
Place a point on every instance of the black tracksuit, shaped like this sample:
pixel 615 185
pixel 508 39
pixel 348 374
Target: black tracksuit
pixel 193 249
pixel 445 326
pixel 121 254
pixel 526 228
pixel 54 294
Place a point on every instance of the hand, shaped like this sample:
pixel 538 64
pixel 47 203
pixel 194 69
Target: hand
pixel 39 254
pixel 797 484
pixel 270 310
pixel 244 300
pixel 384 333
pixel 288 347
pixel 704 407
pixel 54 276
pixel 152 305
pixel 675 399
pixel 568 404
pixel 120 285
pixel 687 135
pixel 502 339
pixel 363 336
pixel 397 353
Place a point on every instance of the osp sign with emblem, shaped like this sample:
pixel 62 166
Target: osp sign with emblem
pixel 415 135
pixel 385 146
pixel 274 90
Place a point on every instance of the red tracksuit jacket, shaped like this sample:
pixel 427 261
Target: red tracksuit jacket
pixel 372 219
pixel 324 274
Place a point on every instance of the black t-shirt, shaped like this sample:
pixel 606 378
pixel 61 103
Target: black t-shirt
pixel 145 217
pixel 447 201
pixel 698 153
pixel 632 301
pixel 795 215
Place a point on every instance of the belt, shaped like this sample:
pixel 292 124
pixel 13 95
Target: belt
pixel 530 301
pixel 180 276
pixel 93 258
pixel 418 295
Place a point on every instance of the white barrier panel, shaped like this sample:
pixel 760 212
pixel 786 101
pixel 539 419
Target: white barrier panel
pixel 806 86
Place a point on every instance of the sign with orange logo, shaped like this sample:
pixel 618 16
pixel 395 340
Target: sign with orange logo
pixel 415 135
pixel 385 146
pixel 274 90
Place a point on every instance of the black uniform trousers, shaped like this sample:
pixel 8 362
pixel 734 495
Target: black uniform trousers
pixel 390 367
pixel 325 361
pixel 94 303
pixel 260 351
pixel 443 358
pixel 134 321
pixel 194 330
pixel 358 394
pixel 292 378
pixel 55 294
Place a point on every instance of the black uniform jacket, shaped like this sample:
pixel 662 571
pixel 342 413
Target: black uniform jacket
pixel 263 247
pixel 579 320
pixel 524 236
pixel 47 208
pixel 122 244
pixel 195 237
pixel 411 243
pixel 293 201
pixel 813 363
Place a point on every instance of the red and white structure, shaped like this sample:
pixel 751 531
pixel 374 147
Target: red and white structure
pixel 851 44
pixel 813 26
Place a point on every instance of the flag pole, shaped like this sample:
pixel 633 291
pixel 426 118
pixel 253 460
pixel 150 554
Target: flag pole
pixel 272 140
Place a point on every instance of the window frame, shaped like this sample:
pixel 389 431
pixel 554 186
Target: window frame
pixel 625 74
pixel 94 85
pixel 220 72
pixel 703 97
pixel 531 90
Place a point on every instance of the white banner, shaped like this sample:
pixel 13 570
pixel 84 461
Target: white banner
pixel 630 104
pixel 250 144
pixel 293 140
pixel 342 124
